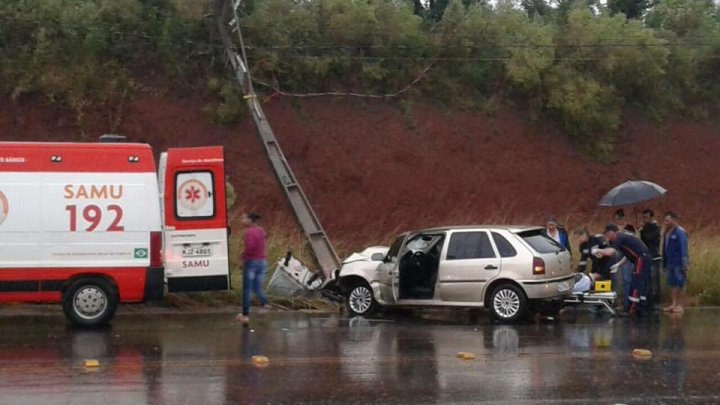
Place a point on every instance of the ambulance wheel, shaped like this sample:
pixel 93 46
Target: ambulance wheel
pixel 360 299
pixel 90 301
pixel 508 303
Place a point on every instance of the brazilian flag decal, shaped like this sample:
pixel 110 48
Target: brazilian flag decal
pixel 141 253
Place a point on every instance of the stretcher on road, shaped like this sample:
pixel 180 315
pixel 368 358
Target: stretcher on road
pixel 589 292
pixel 605 299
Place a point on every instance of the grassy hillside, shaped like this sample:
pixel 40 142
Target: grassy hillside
pixel 580 65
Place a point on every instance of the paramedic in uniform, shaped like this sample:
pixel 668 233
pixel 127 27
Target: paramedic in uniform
pixel 601 267
pixel 635 251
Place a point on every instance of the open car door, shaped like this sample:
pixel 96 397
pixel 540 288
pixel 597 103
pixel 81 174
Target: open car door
pixel 192 182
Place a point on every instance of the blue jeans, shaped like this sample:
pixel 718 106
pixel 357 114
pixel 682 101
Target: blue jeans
pixel 253 276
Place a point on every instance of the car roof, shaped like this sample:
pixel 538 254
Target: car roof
pixel 511 228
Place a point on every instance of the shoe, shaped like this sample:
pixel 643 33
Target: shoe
pixel 242 318
pixel 678 310
pixel 262 310
pixel 669 309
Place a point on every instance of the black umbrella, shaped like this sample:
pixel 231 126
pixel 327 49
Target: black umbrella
pixel 632 192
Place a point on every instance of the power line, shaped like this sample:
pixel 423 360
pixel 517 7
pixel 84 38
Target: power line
pixel 480 47
pixel 454 59
pixel 620 42
pixel 405 89
pixel 424 59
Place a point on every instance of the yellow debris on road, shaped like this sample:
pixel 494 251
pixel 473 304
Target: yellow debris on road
pixel 466 356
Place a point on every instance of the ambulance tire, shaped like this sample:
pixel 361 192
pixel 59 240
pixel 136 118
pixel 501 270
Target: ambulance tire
pixel 90 302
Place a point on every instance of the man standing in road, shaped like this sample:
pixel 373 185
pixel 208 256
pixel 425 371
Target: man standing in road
pixel 625 273
pixel 650 235
pixel 635 251
pixel 255 264
pixel 676 261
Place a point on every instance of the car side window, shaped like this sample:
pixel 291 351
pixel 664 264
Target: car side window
pixel 470 245
pixel 504 246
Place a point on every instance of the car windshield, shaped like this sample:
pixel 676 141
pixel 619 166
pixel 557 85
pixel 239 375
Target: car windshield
pixel 394 249
pixel 541 242
pixel 422 242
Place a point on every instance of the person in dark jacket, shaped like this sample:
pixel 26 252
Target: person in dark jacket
pixel 650 235
pixel 622 223
pixel 625 274
pixel 600 266
pixel 635 251
pixel 676 260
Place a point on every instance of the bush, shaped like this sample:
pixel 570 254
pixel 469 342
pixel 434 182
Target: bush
pixel 579 64
pixel 704 273
pixel 228 106
pixel 82 53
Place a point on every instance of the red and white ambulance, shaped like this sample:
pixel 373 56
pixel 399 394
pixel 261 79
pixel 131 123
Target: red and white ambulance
pixel 90 225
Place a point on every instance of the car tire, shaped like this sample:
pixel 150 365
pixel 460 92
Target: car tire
pixel 360 300
pixel 508 303
pixel 90 302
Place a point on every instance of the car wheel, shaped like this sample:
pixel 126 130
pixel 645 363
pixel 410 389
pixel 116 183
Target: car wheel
pixel 508 303
pixel 90 302
pixel 360 300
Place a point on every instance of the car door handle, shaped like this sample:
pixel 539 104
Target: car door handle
pixel 491 267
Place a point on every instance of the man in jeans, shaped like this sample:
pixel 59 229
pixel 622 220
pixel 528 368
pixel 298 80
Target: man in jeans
pixel 255 264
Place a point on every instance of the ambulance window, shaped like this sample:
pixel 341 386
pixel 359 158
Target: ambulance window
pixel 194 195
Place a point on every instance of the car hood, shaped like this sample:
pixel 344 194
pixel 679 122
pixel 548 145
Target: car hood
pixel 366 255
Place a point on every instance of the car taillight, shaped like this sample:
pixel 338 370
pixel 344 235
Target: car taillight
pixel 538 266
pixel 155 249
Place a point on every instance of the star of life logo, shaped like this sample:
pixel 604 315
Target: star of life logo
pixel 4 207
pixel 193 195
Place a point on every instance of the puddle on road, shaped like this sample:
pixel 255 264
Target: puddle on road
pixel 399 358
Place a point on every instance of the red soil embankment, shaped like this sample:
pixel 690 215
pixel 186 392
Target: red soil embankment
pixel 369 169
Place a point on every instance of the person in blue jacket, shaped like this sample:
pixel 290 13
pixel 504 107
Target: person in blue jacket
pixel 676 260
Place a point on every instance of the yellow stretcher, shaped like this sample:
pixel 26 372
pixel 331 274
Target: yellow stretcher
pixel 601 294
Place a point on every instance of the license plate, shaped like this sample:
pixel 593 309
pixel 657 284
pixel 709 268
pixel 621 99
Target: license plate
pixel 563 287
pixel 197 251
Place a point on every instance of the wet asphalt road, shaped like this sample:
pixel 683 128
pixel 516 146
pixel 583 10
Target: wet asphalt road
pixel 320 358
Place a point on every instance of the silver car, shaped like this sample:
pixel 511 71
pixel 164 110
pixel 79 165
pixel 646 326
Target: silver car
pixel 502 268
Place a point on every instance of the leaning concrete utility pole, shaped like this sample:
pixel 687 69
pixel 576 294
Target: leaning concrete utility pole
pixel 228 25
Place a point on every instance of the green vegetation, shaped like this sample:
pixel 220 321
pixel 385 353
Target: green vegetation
pixel 87 53
pixel 579 62
pixel 704 274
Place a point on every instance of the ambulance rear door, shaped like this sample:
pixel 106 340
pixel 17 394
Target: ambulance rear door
pixel 192 183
